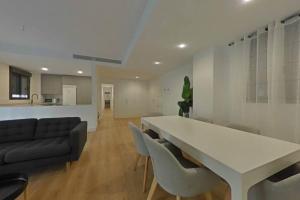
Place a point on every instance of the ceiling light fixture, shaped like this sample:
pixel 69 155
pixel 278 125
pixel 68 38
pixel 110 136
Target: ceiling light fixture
pixel 157 63
pixel 22 28
pixel 44 69
pixel 137 77
pixel 80 72
pixel 182 46
pixel 247 1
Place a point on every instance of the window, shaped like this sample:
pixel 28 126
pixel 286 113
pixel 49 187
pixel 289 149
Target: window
pixel 19 84
pixel 257 91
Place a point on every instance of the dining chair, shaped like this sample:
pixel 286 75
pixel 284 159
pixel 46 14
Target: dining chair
pixel 244 128
pixel 281 186
pixel 177 175
pixel 141 150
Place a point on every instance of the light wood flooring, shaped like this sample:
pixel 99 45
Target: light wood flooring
pixel 104 171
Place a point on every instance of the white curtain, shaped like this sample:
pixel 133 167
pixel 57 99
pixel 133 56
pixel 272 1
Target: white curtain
pixel 239 63
pixel 264 81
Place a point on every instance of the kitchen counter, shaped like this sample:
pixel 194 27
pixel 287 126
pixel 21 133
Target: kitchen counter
pixel 25 111
pixel 38 105
pixel 27 105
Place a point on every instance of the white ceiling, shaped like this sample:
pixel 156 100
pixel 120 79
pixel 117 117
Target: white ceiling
pixel 102 28
pixel 57 29
pixel 137 32
pixel 200 24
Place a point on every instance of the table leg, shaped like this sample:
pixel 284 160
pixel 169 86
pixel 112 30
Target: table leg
pixel 237 193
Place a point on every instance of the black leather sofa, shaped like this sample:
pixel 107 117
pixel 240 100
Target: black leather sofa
pixel 28 144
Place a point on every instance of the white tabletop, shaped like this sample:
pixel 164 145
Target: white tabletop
pixel 241 157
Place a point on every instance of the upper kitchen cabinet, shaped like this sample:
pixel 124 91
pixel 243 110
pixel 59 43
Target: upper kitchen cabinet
pixel 51 84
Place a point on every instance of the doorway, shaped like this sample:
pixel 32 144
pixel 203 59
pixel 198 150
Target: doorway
pixel 107 97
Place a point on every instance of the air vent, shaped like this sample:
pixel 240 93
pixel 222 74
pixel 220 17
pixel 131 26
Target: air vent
pixel 96 59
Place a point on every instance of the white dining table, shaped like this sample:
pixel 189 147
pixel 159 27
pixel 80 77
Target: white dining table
pixel 242 159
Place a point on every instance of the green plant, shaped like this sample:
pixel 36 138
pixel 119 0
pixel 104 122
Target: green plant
pixel 187 95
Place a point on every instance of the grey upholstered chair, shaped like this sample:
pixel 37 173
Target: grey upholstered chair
pixel 177 176
pixel 141 150
pixel 282 186
pixel 244 128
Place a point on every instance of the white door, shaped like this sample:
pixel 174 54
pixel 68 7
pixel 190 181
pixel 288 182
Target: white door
pixel 69 95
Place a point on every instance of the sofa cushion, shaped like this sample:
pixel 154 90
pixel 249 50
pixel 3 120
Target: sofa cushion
pixel 5 147
pixel 55 127
pixel 17 130
pixel 38 149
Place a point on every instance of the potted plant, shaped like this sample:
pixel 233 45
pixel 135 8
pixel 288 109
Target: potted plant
pixel 187 95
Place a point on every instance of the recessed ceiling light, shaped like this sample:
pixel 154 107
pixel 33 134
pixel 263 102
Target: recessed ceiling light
pixel 182 45
pixel 44 69
pixel 137 77
pixel 247 1
pixel 22 28
pixel 80 72
pixel 157 63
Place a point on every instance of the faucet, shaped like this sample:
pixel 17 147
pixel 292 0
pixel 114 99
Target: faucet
pixel 37 97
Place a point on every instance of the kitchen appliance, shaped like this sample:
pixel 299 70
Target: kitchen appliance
pixel 69 95
pixel 51 100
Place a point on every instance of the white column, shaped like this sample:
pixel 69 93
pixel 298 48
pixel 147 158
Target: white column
pixel 94 92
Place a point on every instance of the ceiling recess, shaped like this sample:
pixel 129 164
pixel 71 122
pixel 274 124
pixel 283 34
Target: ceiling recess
pixel 96 59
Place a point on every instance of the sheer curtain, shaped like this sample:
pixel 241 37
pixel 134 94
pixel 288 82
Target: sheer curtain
pixel 265 81
pixel 239 63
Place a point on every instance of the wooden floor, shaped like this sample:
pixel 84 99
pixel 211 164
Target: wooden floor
pixel 104 171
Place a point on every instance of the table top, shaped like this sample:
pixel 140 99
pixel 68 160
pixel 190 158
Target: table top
pixel 241 151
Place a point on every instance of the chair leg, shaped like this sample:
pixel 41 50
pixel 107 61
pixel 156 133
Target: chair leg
pixel 208 196
pixel 136 161
pixel 227 193
pixel 146 173
pixel 178 197
pixel 25 193
pixel 152 189
pixel 67 166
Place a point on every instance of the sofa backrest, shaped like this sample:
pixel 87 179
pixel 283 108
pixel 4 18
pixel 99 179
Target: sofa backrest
pixel 17 130
pixel 55 127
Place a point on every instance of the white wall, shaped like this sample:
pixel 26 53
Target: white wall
pixel 221 86
pixel 167 90
pixel 35 86
pixel 155 94
pixel 211 85
pixel 203 82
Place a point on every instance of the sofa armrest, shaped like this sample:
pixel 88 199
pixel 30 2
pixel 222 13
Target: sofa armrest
pixel 78 137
